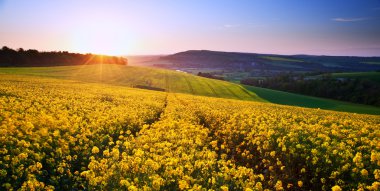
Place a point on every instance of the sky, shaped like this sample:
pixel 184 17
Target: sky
pixel 146 27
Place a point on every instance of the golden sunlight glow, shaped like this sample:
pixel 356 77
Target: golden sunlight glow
pixel 108 38
pixel 99 42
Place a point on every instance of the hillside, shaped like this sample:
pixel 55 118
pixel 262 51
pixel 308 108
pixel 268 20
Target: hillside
pixel 68 135
pixel 286 98
pixel 373 76
pixel 180 82
pixel 253 61
pixel 165 80
pixel 360 88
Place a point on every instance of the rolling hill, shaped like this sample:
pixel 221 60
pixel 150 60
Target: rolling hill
pixel 59 134
pixel 180 82
pixel 254 61
pixel 165 80
pixel 286 98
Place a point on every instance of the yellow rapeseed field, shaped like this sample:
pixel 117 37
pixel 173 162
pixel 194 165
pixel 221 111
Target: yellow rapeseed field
pixel 68 135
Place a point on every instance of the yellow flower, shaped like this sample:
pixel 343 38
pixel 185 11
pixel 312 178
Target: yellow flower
pixel 261 176
pixel 364 172
pixel 375 186
pixel 157 183
pixel 106 153
pixel 300 183
pixel 56 133
pixel 183 184
pixel 124 183
pixel 214 143
pixel 336 188
pixel 357 158
pixel 259 186
pixel 38 165
pixel 224 188
pixel 375 156
pixel 278 185
pixel 132 188
pixel 376 173
pixel 95 150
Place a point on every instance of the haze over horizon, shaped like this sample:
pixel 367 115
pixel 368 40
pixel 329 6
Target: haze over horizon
pixel 146 27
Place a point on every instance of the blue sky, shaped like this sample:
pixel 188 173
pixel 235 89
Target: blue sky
pixel 329 27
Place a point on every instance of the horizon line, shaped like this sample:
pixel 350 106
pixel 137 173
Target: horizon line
pixel 226 51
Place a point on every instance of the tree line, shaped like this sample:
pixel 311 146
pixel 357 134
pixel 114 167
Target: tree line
pixel 209 75
pixel 31 57
pixel 363 91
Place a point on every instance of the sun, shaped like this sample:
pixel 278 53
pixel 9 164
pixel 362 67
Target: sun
pixel 99 44
pixel 107 39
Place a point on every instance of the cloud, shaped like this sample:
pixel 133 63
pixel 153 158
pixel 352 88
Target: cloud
pixel 350 19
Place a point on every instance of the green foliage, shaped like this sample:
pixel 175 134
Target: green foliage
pixel 25 58
pixel 374 76
pixel 351 87
pixel 286 98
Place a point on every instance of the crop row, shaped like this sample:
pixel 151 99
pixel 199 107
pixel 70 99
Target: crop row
pixel 66 135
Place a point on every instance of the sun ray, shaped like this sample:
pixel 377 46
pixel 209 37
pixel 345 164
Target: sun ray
pixel 101 58
pixel 82 66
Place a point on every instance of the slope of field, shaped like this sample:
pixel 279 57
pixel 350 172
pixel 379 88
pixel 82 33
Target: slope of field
pixel 180 82
pixel 168 80
pixel 287 98
pixel 70 135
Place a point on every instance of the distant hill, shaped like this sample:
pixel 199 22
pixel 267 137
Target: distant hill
pixel 21 57
pixel 253 61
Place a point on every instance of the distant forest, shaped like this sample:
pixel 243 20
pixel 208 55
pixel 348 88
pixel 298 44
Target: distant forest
pixel 363 91
pixel 21 57
pixel 209 75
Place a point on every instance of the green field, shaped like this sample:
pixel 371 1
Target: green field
pixel 374 76
pixel 131 76
pixel 179 82
pixel 286 98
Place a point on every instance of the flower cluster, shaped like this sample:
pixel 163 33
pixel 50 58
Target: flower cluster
pixel 65 135
pixel 49 129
